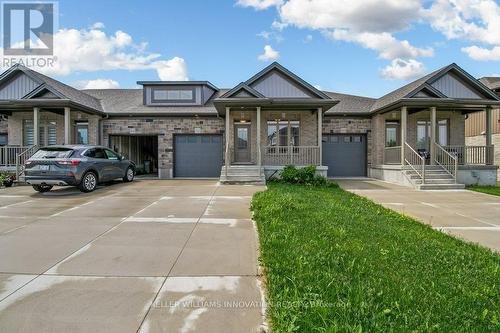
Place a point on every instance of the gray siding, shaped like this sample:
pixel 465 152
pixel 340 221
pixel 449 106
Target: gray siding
pixel 17 87
pixel 452 87
pixel 276 85
pixel 207 94
pixel 243 94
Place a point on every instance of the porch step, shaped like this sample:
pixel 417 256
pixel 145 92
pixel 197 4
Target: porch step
pixel 441 187
pixel 243 174
pixel 436 181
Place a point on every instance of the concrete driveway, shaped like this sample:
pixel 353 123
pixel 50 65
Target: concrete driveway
pixel 149 256
pixel 472 216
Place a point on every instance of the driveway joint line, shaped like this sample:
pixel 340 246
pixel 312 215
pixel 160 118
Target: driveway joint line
pixel 177 258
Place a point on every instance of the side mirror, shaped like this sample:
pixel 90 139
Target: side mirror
pixel 122 157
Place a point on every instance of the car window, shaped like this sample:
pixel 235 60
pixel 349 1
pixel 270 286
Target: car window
pixel 99 153
pixel 52 153
pixel 90 153
pixel 111 155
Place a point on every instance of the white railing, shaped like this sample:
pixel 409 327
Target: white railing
pixel 22 157
pixel 415 161
pixel 8 155
pixel 472 155
pixel 392 155
pixel 290 155
pixel 448 161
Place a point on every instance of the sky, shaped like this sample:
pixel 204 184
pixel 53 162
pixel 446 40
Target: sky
pixel 361 47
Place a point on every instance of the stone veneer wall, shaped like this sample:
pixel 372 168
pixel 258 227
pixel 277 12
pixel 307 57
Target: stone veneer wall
pixel 15 125
pixel 480 140
pixel 164 127
pixel 345 125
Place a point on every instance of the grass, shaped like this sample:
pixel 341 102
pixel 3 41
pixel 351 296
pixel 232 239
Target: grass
pixel 493 190
pixel 336 262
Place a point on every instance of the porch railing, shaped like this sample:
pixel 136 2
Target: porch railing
pixel 8 155
pixel 415 161
pixel 473 155
pixel 22 157
pixel 290 155
pixel 448 161
pixel 392 155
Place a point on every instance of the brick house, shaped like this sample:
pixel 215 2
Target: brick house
pixel 413 136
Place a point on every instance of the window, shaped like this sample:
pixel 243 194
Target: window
pixel 53 153
pixel 283 133
pixel 111 155
pixel 98 153
pixel 424 133
pixel 391 134
pixel 173 94
pixel 4 139
pixel 47 133
pixel 82 133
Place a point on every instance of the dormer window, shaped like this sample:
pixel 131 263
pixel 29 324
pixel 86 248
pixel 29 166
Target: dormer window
pixel 177 93
pixel 173 95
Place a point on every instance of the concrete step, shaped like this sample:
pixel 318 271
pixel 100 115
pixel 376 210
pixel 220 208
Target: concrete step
pixel 441 187
pixel 432 176
pixel 436 181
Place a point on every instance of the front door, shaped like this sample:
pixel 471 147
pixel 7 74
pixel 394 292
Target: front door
pixel 242 150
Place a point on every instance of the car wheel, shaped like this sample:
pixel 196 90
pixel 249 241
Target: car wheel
pixel 89 182
pixel 129 175
pixel 42 188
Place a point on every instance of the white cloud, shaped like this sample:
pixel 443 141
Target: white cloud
pixel 91 49
pixel 259 4
pixel 96 84
pixel 269 54
pixel 276 25
pixel 174 69
pixel 475 20
pixel 98 25
pixel 401 69
pixel 387 46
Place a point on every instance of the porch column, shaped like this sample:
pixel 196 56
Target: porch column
pixel 67 126
pixel 488 133
pixel 433 133
pixel 36 126
pixel 259 154
pixel 404 121
pixel 320 135
pixel 226 158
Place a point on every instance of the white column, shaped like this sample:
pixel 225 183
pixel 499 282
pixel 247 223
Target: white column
pixel 259 154
pixel 489 132
pixel 227 140
pixel 36 126
pixel 320 135
pixel 67 126
pixel 433 133
pixel 404 125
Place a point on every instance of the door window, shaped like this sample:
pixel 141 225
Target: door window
pixel 242 142
pixel 47 133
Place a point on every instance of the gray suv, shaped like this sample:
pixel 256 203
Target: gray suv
pixel 82 166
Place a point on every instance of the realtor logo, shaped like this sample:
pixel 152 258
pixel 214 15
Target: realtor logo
pixel 28 28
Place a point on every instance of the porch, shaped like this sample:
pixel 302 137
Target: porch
pixel 427 144
pixel 261 141
pixel 31 128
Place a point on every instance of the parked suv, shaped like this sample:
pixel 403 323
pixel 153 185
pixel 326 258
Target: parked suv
pixel 82 166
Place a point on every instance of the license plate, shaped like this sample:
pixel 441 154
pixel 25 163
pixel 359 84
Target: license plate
pixel 44 167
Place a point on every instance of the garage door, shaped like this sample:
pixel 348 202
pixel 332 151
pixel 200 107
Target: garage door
pixel 345 155
pixel 197 155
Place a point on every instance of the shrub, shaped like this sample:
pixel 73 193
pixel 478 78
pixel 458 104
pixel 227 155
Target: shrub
pixel 305 176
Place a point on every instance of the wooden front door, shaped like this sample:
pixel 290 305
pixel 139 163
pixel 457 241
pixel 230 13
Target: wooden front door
pixel 242 146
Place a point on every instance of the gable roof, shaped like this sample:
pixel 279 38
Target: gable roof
pixel 242 86
pixel 296 79
pixel 492 82
pixel 425 82
pixel 350 104
pixel 58 88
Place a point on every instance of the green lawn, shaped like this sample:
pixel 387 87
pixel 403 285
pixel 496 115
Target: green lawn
pixel 493 190
pixel 335 261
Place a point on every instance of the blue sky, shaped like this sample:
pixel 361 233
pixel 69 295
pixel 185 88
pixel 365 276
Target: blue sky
pixel 219 41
